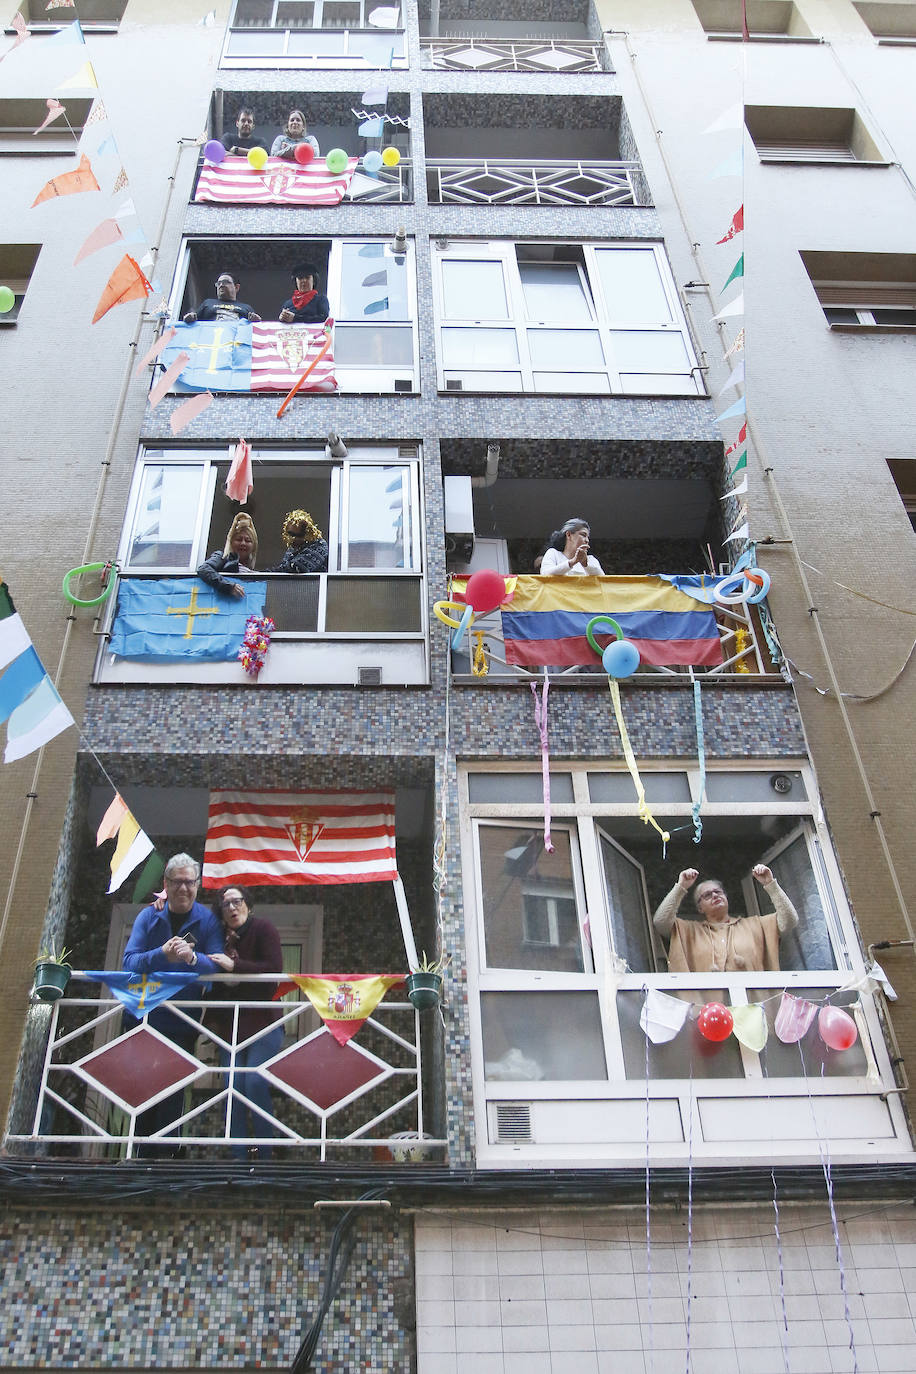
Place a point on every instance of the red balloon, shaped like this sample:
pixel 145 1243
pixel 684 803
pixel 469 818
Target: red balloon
pixel 715 1022
pixel 836 1028
pixel 485 590
pixel 304 153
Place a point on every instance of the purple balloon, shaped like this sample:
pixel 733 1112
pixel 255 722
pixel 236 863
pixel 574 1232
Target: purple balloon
pixel 214 150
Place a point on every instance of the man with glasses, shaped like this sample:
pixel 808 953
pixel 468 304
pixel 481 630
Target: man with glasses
pixel 224 305
pixel 180 935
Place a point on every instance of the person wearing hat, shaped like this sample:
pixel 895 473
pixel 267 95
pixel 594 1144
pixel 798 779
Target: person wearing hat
pixel 238 555
pixel 306 305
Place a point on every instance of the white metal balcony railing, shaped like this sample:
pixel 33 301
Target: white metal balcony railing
pixel 523 181
pixel 515 55
pixel 326 1101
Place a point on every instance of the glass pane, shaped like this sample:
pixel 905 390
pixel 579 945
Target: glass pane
pixel 372 288
pixel 380 527
pixel 808 1057
pixel 755 787
pixel 341 14
pixel 387 346
pixel 294 14
pixel 633 289
pixel 658 384
pixel 267 43
pixel 253 13
pixel 479 348
pixel 565 348
pixel 163 534
pixel 553 291
pixel 808 946
pixel 688 1055
pixel 529 901
pixel 572 383
pixel 649 350
pixel 618 787
pixel 372 605
pixel 516 787
pixel 627 907
pixel 292 603
pixel 486 381
pixel 531 1036
pixel 316 43
pixel 473 290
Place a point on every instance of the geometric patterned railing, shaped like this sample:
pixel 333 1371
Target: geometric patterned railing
pixel 326 1100
pixel 514 55
pixel 514 181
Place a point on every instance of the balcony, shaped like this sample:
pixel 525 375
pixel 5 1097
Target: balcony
pixel 322 34
pixel 328 1103
pixel 515 55
pixel 516 181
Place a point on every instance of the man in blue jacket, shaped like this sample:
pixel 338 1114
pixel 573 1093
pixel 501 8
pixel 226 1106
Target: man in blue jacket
pixel 180 937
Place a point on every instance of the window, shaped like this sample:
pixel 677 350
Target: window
pixel 92 14
pixel 787 133
pixel 589 318
pixel 17 263
pixel 903 472
pixel 19 120
pixel 562 949
pixel 865 292
pixel 299 33
pixel 370 287
pixel 889 22
pixel 765 18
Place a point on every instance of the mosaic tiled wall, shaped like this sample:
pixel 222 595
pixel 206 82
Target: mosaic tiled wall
pixel 230 1287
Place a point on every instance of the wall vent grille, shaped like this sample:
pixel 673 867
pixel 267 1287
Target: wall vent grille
pixel 513 1121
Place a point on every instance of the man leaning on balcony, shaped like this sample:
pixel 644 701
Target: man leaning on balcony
pixel 718 942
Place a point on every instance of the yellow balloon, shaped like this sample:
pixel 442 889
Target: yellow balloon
pixel 439 613
pixel 391 157
pixel 256 158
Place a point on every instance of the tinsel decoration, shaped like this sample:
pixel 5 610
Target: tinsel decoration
pixel 253 650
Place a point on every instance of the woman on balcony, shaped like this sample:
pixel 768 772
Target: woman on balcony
pixel 306 551
pixel 718 942
pixel 238 556
pixel 285 144
pixel 252 946
pixel 567 552
pixel 306 305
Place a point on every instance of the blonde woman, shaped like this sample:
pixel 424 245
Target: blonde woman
pixel 238 556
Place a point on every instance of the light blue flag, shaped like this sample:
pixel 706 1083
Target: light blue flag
pixel 732 167
pixel 374 307
pixel 739 408
pixel 21 677
pixel 220 355
pixel 181 617
pixel 141 992
pixel 701 586
pixel 372 128
pixel 65 37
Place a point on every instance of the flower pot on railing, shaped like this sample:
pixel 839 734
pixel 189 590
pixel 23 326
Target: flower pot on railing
pixel 52 974
pixel 424 990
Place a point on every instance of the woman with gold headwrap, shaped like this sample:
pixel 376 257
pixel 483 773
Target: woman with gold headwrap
pixel 238 555
pixel 306 551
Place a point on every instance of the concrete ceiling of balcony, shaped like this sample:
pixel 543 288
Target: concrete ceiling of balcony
pixel 522 126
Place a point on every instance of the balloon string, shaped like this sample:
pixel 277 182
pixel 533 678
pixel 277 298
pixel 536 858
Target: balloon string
pixel 651 1324
pixel 689 1221
pixel 784 1329
pixel 540 717
pixel 645 811
pixel 701 754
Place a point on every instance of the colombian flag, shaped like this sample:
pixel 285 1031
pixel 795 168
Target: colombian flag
pixel 548 616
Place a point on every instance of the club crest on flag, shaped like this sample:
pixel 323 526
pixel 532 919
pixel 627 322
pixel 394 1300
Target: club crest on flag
pixel 293 347
pixel 303 829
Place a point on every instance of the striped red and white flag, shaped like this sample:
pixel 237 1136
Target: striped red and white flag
pixel 287 838
pixel 280 353
pixel 235 182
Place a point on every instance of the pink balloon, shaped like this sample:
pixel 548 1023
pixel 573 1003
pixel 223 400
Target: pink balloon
pixel 836 1028
pixel 485 590
pixel 715 1022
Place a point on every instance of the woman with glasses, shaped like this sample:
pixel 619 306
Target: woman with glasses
pixel 718 942
pixel 252 946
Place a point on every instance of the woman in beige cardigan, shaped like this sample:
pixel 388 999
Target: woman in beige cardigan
pixel 719 942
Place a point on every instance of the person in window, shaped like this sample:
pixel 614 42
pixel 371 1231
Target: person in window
pixel 238 556
pixel 252 946
pixel 224 306
pixel 718 942
pixel 567 552
pixel 239 141
pixel 285 144
pixel 306 305
pixel 306 551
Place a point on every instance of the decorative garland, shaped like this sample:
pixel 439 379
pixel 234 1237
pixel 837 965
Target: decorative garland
pixel 253 650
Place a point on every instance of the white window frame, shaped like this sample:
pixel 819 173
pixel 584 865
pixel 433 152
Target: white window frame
pixel 349 54
pixel 584 818
pixel 606 380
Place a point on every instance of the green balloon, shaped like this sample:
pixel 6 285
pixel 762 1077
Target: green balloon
pixel 7 300
pixel 336 161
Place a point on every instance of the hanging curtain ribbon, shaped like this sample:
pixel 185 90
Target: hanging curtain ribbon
pixel 701 755
pixel 645 811
pixel 540 716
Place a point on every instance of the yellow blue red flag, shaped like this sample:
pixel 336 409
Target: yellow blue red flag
pixel 343 1000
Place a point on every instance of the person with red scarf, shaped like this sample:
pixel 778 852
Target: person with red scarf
pixel 306 305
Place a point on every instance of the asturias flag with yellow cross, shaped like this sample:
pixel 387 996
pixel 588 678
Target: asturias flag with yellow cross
pixel 233 355
pixel 181 617
pixel 141 992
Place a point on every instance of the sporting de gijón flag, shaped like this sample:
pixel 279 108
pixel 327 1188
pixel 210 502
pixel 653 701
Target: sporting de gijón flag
pixel 235 182
pixel 181 617
pixel 344 1001
pixel 289 838
pixel 232 355
pixel 547 618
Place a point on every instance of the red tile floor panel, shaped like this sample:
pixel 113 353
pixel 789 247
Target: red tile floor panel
pixel 325 1072
pixel 138 1067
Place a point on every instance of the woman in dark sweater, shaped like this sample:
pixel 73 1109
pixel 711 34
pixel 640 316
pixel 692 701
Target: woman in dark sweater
pixel 252 946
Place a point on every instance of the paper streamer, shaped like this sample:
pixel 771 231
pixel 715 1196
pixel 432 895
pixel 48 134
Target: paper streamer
pixel 644 810
pixel 540 716
pixel 701 755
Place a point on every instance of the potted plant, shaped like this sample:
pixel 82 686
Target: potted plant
pixel 52 972
pixel 424 983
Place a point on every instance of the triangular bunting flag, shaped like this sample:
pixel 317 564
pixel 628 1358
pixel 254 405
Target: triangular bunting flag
pixel 732 166
pixel 69 183
pixel 662 1016
pixel 741 533
pixel 736 376
pixel 22 33
pixel 83 80
pixel 132 848
pixel 739 408
pixel 731 118
pixel 126 283
pixel 738 345
pixel 736 226
pixel 120 182
pixel 741 439
pixel 741 463
pixel 162 342
pixel 102 236
pixel 67 37
pixel 110 823
pixel 735 307
pixel 750 1026
pixel 737 271
pixel 55 110
pixel 735 491
pixel 192 407
pixel 141 992
pixel 343 1001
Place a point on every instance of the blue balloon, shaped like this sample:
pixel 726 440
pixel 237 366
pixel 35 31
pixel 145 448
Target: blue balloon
pixel 465 622
pixel 620 658
pixel 372 161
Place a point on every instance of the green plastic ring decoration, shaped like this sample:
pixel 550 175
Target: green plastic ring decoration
pixel 601 620
pixel 78 572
